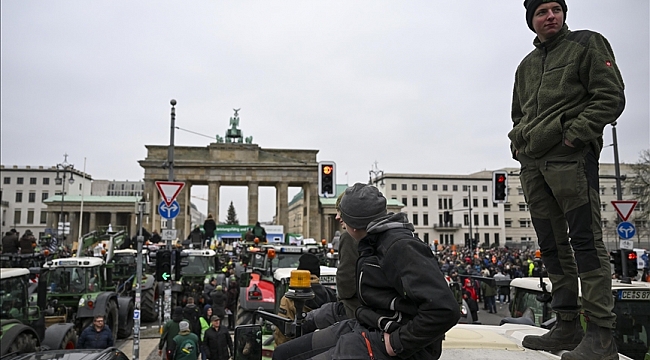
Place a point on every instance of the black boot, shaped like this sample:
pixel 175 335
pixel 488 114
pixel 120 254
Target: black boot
pixel 598 343
pixel 564 335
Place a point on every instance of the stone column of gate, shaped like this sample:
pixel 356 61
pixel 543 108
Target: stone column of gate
pixel 74 226
pixel 253 202
pixel 134 230
pixel 113 220
pixel 51 219
pixel 213 199
pixel 92 223
pixel 183 220
pixel 282 205
pixel 312 222
pixel 151 195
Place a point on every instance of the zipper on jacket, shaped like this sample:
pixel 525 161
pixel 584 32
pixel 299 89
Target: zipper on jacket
pixel 557 162
pixel 541 77
pixel 372 356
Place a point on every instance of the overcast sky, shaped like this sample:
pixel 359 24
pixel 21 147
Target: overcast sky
pixel 418 86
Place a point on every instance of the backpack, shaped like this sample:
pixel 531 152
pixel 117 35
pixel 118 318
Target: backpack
pixel 192 315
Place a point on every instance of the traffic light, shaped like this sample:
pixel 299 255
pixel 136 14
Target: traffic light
pixel 163 265
pixel 179 263
pixel 499 186
pixel 327 179
pixel 630 258
pixel 615 258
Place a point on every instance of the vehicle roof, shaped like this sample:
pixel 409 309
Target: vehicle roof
pixel 194 252
pixel 75 262
pixel 471 341
pixel 532 283
pixel 285 273
pixel 127 251
pixel 76 354
pixel 9 273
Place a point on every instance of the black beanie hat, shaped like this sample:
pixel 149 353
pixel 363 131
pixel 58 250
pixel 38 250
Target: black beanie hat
pixel 532 5
pixel 309 262
pixel 362 204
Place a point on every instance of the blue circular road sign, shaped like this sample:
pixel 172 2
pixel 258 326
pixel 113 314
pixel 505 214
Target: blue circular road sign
pixel 169 212
pixel 626 230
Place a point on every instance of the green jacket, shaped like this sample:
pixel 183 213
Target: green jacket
pixel 569 87
pixel 185 346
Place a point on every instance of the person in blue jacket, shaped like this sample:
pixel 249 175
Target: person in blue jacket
pixel 96 336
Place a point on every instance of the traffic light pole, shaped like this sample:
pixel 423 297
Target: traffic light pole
pixel 138 288
pixel 619 196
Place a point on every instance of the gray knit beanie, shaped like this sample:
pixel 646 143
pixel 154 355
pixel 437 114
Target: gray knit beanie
pixel 532 5
pixel 361 205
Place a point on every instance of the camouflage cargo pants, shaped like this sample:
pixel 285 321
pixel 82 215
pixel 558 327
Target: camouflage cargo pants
pixel 562 193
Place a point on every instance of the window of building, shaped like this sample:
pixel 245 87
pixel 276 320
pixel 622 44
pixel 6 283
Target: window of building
pixel 132 186
pixel 440 203
pixel 434 187
pixel 486 220
pixel 475 202
pixel 465 188
pixel 415 201
pixel 32 181
pixel 32 197
pixel 523 207
pixel 506 207
pixel 485 202
pixel 17 215
pixel 425 201
pixel 112 187
pixel 393 187
pixel 19 196
pixel 426 237
pixel 495 219
pixel 122 187
pixel 475 188
pixel 404 187
pixel 425 219
pixel 444 188
pixel 44 195
pixel 46 181
pixel 603 223
pixel 495 205
pixel 43 217
pixel 476 219
pixel 602 191
pixel 414 187
pixel 466 220
pixel 465 202
pixel 507 223
pixel 641 224
pixel 19 181
pixel 486 237
pixel 454 187
pixel 30 216
pixel 415 219
pixel 524 223
pixel 496 239
pixel 485 188
pixel 404 201
pixel 424 187
pixel 603 207
pixel 520 191
pixel 6 180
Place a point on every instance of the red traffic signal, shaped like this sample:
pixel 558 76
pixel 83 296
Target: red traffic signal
pixel 327 179
pixel 499 186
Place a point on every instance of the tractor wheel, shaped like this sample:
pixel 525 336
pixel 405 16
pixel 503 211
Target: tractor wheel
pixel 125 330
pixel 69 340
pixel 111 318
pixel 24 343
pixel 148 305
pixel 244 316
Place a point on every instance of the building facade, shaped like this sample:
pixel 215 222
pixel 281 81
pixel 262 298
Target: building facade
pixel 24 190
pixel 117 188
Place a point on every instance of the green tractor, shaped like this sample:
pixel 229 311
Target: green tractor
pixel 124 278
pixel 202 265
pixel 82 288
pixel 23 327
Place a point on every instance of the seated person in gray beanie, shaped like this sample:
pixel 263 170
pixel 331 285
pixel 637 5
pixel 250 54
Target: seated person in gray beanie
pixel 406 304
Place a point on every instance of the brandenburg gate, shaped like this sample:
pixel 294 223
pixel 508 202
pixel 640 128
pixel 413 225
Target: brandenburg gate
pixel 234 162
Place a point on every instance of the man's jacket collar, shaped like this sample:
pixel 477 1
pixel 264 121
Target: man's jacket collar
pixel 554 40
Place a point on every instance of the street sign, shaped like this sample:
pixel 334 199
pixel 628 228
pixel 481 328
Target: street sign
pixel 626 230
pixel 169 190
pixel 136 314
pixel 169 211
pixel 624 208
pixel 168 234
pixel 627 244
pixel 64 227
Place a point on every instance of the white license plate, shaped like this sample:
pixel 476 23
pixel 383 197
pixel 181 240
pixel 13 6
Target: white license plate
pixel 327 279
pixel 633 295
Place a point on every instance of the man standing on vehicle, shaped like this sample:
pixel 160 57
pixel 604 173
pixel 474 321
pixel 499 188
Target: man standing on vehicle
pixel 96 336
pixel 566 91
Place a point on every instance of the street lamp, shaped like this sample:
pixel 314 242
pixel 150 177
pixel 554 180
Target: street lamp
pixel 377 173
pixel 63 167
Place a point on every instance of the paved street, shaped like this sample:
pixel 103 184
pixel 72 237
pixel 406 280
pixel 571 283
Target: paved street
pixel 493 319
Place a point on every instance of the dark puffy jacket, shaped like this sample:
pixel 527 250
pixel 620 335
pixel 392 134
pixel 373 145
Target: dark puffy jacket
pixel 26 242
pixel 218 343
pixel 10 243
pixel 402 290
pixel 93 339
pixel 171 328
pixel 209 226
pixel 218 303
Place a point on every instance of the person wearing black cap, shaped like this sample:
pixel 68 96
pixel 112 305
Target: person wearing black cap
pixel 322 294
pixel 406 305
pixel 566 91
